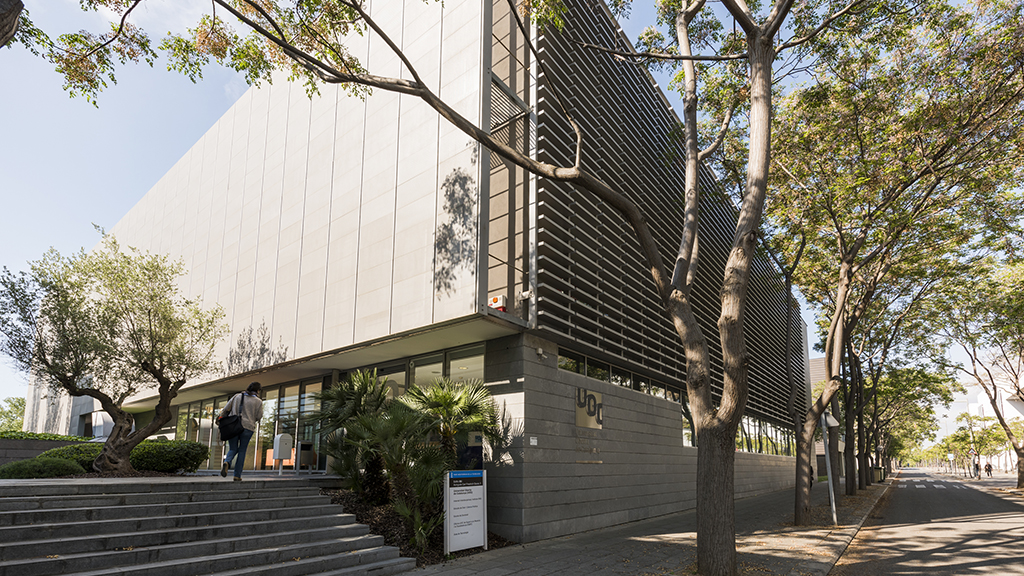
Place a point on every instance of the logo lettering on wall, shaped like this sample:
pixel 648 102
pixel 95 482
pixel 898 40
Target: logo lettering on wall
pixel 589 409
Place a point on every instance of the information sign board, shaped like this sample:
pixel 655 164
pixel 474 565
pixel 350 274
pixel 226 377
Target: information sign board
pixel 465 510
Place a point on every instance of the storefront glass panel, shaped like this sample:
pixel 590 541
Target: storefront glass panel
pixel 287 417
pixel 206 427
pixel 268 427
pixel 218 449
pixel 466 364
pixel 427 369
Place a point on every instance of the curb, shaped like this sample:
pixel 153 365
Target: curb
pixel 839 540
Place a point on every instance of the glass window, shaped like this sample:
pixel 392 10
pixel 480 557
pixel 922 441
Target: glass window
pixel 193 421
pixel 395 379
pixel 597 370
pixel 308 408
pixel 673 393
pixel 657 389
pixel 218 449
pixel 206 427
pixel 466 364
pixel 268 428
pixel 641 383
pixel 288 416
pixel 622 378
pixel 426 369
pixel 571 362
pixel 181 430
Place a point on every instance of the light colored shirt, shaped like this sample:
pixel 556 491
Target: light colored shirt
pixel 251 410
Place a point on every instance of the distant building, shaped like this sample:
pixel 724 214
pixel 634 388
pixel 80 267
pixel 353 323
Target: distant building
pixel 976 403
pixel 373 234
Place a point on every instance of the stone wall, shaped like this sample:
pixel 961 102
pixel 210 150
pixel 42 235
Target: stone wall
pixel 13 450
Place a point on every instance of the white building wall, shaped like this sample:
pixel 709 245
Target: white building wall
pixel 317 216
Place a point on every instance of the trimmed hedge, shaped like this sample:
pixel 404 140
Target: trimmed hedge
pixel 40 468
pixel 12 435
pixel 156 455
pixel 83 454
pixel 169 455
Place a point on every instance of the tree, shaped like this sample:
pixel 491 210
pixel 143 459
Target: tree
pixel 12 416
pixel 895 163
pixel 905 416
pixel 983 317
pixel 308 39
pixel 108 324
pixel 453 407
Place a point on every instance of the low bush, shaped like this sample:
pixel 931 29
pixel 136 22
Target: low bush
pixel 40 468
pixel 12 435
pixel 155 455
pixel 169 455
pixel 83 454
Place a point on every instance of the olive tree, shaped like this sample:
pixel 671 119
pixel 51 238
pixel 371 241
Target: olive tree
pixel 108 324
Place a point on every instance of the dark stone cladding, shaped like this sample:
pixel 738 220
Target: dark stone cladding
pixel 594 292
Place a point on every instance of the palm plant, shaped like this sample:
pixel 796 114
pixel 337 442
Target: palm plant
pixel 363 393
pixel 453 407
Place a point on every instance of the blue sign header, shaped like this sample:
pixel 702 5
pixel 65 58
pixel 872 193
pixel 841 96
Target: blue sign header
pixel 466 474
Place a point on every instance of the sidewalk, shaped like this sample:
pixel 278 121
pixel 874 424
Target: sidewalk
pixel 767 543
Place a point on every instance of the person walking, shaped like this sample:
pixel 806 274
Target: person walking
pixel 249 407
pixel 988 469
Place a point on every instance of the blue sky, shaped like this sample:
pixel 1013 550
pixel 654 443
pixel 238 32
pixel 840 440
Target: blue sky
pixel 66 165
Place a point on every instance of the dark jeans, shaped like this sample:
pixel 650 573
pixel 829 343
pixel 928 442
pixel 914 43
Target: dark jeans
pixel 237 446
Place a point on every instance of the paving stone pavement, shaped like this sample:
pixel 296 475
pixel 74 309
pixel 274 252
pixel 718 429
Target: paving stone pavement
pixel 767 543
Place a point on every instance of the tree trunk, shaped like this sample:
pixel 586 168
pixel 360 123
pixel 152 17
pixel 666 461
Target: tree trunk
pixel 849 457
pixel 114 458
pixel 10 11
pixel 805 472
pixel 1020 468
pixel 716 515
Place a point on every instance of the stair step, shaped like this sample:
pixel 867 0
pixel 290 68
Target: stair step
pixel 95 543
pixel 344 552
pixel 185 527
pixel 128 486
pixel 118 525
pixel 331 565
pixel 60 502
pixel 105 513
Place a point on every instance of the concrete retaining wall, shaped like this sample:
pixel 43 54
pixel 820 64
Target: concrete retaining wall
pixel 13 450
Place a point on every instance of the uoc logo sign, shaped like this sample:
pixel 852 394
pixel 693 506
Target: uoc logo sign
pixel 589 409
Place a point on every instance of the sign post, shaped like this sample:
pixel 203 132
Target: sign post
pixel 465 510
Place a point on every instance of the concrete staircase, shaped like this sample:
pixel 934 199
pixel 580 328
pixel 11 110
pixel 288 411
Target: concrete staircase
pixel 184 527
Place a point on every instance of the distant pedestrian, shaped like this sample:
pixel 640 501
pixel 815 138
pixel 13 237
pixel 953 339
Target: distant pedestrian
pixel 249 406
pixel 988 469
pixel 977 469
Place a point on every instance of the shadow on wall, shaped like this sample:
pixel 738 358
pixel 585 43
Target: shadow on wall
pixel 506 446
pixel 455 241
pixel 253 351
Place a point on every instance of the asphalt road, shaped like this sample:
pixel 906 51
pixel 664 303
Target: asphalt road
pixel 940 525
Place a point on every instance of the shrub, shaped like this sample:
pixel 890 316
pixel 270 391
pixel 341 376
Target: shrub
pixel 83 454
pixel 155 455
pixel 40 468
pixel 169 455
pixel 13 435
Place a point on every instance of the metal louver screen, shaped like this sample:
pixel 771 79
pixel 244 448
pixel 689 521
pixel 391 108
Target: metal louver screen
pixel 510 121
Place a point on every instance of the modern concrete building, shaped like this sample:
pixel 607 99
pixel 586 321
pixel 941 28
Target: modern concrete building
pixel 372 234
